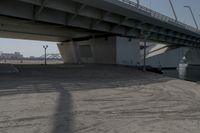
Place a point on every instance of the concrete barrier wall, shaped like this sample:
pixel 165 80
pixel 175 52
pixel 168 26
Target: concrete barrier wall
pixel 105 50
pixel 128 51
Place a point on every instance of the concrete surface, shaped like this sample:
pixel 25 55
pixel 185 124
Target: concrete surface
pixel 96 99
pixel 100 51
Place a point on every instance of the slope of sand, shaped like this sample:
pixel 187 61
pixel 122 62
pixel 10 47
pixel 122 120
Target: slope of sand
pixel 97 99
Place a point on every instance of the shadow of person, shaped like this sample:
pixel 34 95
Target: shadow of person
pixel 63 121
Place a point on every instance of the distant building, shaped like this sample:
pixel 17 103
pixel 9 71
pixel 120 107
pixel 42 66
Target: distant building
pixel 16 55
pixel 32 57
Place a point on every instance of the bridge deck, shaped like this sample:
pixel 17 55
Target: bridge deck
pixel 96 99
pixel 63 20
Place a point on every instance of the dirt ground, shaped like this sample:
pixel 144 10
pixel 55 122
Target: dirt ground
pixel 96 99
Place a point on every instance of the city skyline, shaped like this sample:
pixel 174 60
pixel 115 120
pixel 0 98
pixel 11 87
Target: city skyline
pixel 27 47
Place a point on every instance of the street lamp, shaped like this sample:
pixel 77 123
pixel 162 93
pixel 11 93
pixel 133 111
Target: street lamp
pixel 192 15
pixel 199 15
pixel 144 59
pixel 45 54
pixel 173 9
pixel 138 3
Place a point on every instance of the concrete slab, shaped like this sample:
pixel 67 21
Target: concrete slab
pixel 96 99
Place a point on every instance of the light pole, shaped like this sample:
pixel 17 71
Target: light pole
pixel 192 15
pixel 45 54
pixel 199 15
pixel 138 3
pixel 173 10
pixel 144 59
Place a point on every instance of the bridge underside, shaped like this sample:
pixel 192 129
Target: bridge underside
pixel 62 20
pixel 25 29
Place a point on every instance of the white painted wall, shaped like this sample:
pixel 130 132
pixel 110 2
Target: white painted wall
pixel 128 51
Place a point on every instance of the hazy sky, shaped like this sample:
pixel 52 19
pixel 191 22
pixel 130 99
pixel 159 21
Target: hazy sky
pixel 183 14
pixel 27 47
pixel 34 48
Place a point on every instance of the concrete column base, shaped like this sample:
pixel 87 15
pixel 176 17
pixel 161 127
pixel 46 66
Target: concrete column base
pixel 103 50
pixel 68 52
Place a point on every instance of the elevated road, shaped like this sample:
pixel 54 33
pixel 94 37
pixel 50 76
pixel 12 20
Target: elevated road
pixel 60 20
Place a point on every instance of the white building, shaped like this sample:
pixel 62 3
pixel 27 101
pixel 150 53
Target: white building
pixel 15 55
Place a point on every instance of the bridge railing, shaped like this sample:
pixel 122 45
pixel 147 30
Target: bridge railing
pixel 160 16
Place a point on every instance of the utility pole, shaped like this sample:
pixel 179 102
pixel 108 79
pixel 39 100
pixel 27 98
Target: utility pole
pixel 172 6
pixel 144 58
pixel 145 35
pixel 199 15
pixel 192 15
pixel 45 54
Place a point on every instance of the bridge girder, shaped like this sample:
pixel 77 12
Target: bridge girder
pixel 76 14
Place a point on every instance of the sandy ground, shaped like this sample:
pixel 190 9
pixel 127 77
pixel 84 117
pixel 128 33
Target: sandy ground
pixel 96 99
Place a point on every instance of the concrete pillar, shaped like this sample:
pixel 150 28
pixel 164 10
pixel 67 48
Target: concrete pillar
pixel 104 50
pixel 127 51
pixel 68 51
pixel 193 56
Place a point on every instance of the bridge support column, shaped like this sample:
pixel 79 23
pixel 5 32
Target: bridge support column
pixel 68 51
pixel 102 50
pixel 145 35
pixel 95 50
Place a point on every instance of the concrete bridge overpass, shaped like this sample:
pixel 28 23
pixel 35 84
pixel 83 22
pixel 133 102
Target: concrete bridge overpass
pixel 75 20
pixel 66 19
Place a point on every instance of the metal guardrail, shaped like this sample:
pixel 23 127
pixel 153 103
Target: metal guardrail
pixel 160 16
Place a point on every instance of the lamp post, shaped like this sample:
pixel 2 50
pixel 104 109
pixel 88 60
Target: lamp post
pixel 199 15
pixel 45 54
pixel 138 3
pixel 192 15
pixel 144 59
pixel 173 10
